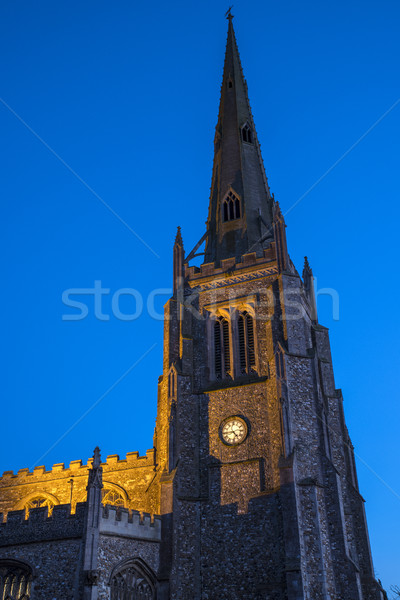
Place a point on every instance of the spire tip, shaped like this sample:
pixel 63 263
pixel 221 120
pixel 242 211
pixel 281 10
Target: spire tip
pixel 228 14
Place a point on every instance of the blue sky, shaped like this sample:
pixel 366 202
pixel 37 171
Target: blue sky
pixel 126 94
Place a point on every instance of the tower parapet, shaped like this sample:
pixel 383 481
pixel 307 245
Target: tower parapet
pixel 133 524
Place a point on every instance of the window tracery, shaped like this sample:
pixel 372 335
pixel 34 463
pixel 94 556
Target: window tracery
pixel 38 502
pixel 131 582
pixel 231 207
pixel 15 581
pixel 112 496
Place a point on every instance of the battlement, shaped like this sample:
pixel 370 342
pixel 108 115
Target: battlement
pixel 119 521
pixel 39 526
pixel 230 266
pixel 77 467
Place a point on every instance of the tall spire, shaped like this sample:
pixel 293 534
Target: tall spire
pixel 240 211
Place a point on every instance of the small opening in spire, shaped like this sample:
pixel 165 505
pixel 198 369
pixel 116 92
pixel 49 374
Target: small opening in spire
pixel 247 135
pixel 230 83
pixel 231 207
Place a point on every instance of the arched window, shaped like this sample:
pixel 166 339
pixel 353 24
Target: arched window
pixel 15 580
pixel 132 580
pixel 231 207
pixel 247 134
pixel 112 496
pixel 222 356
pixel 247 356
pixel 37 502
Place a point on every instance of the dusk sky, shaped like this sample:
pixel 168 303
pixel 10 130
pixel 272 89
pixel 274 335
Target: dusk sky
pixel 107 113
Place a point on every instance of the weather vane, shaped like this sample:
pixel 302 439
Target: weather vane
pixel 228 13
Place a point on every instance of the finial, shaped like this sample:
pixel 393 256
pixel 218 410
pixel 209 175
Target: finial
pixel 178 237
pixel 228 14
pixel 96 458
pixel 307 265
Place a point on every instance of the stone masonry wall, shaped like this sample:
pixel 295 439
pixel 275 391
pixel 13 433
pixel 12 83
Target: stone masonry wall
pixel 130 477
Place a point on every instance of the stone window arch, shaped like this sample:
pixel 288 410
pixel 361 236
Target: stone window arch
pixel 114 494
pixel 37 500
pixel 247 134
pixel 15 580
pixel 132 579
pixel 231 207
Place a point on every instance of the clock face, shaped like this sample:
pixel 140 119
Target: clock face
pixel 234 431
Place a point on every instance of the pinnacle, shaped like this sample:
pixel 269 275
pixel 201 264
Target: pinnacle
pixel 307 265
pixel 96 458
pixel 178 237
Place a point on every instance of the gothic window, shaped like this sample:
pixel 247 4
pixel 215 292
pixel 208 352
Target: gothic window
pixel 231 207
pixel 112 496
pixel 246 134
pixel 15 580
pixel 247 357
pixel 38 502
pixel 132 581
pixel 222 358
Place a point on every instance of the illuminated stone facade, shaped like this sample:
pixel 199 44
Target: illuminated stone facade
pixel 250 490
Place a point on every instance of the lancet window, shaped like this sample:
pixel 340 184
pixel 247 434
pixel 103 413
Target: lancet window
pixel 247 357
pixel 222 357
pixel 15 580
pixel 231 207
pixel 247 135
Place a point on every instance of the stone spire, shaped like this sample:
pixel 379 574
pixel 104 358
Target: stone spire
pixel 240 211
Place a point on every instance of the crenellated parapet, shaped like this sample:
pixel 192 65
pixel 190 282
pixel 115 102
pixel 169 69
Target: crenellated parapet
pixel 39 526
pixel 132 524
pixel 126 479
pixel 77 467
pixel 230 271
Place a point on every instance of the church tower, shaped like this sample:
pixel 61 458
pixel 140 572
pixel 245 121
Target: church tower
pixel 256 474
pixel 250 489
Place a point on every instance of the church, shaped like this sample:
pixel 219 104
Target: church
pixel 249 491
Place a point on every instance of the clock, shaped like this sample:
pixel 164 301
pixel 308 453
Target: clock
pixel 233 431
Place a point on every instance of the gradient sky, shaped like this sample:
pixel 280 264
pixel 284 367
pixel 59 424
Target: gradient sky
pixel 126 94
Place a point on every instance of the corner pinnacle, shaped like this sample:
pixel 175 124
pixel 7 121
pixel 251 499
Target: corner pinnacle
pixel 178 237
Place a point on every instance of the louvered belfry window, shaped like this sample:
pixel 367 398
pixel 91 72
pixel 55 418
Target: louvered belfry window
pixel 222 357
pixel 247 357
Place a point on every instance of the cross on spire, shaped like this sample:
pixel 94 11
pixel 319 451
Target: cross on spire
pixel 228 14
